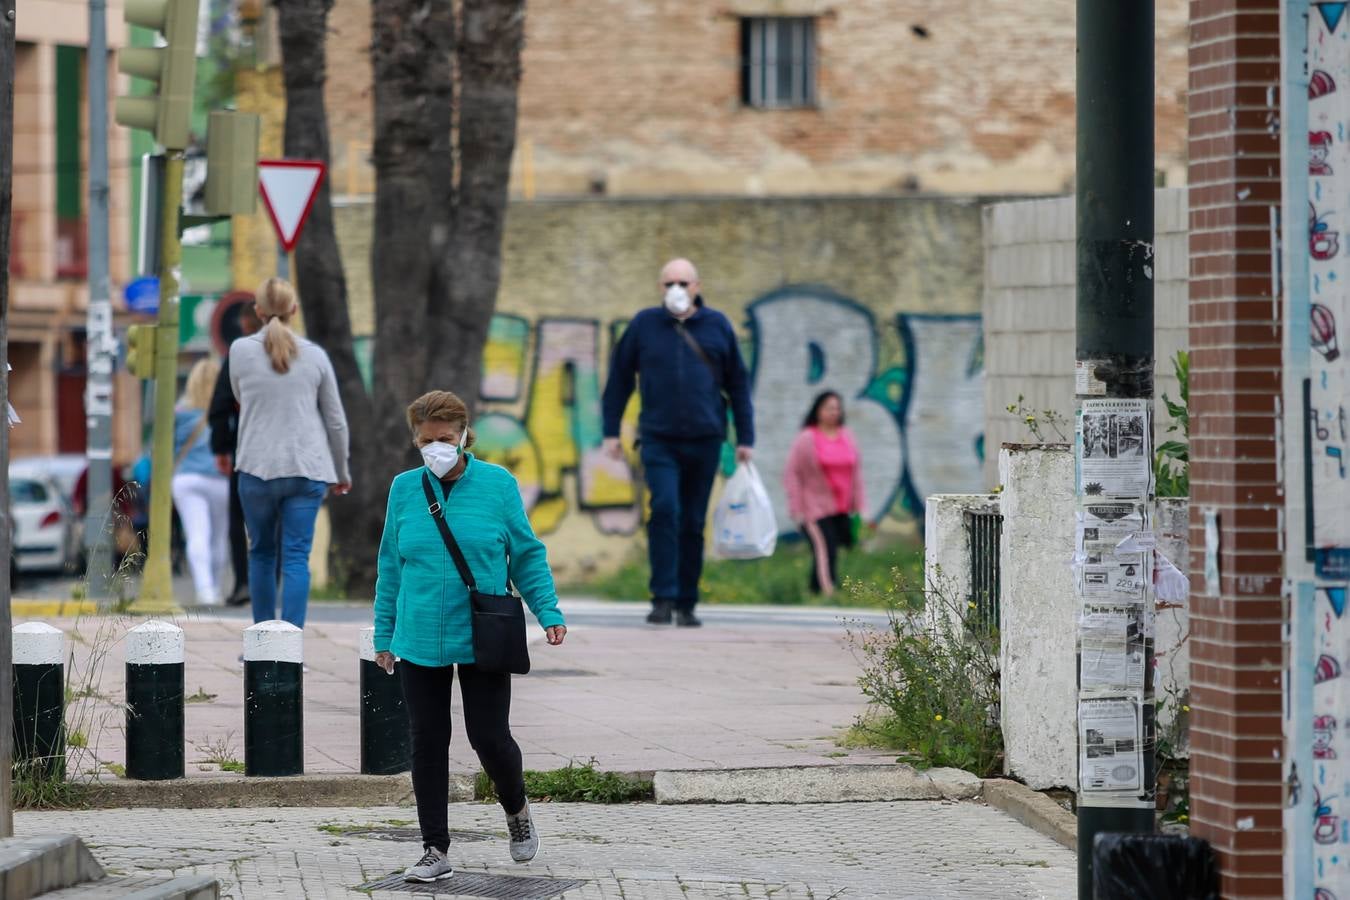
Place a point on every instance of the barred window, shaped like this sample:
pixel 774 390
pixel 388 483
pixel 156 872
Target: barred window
pixel 778 62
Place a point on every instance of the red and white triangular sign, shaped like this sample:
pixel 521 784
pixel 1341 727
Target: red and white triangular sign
pixel 288 188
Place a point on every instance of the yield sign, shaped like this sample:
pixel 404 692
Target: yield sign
pixel 288 188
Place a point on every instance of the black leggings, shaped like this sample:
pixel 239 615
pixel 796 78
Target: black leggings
pixel 825 537
pixel 487 711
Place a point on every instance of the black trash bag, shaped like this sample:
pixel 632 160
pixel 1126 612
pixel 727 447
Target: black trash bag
pixel 1153 867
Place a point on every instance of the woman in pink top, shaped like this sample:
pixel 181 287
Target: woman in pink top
pixel 823 479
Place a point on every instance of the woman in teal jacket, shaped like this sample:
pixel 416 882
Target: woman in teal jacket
pixel 422 618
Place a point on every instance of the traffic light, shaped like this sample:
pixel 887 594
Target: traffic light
pixel 173 67
pixel 141 350
pixel 231 163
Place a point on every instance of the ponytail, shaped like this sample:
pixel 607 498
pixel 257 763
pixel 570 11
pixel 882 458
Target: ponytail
pixel 276 303
pixel 279 342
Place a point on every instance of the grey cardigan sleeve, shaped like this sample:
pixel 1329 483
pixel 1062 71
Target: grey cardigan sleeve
pixel 334 419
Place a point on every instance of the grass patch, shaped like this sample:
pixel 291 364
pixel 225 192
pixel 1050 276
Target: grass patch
pixel 200 697
pixel 220 752
pixel 779 579
pixel 117 769
pixel 574 784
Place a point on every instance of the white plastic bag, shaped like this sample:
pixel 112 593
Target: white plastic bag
pixel 744 526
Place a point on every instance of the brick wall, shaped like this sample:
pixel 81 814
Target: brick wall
pixel 1237 653
pixel 645 96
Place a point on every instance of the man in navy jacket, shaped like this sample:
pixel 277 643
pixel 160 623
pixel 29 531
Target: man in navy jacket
pixel 687 364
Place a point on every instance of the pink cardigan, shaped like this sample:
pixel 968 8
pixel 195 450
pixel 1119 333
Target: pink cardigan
pixel 808 492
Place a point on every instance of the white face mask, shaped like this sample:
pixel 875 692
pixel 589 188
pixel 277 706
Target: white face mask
pixel 678 301
pixel 440 457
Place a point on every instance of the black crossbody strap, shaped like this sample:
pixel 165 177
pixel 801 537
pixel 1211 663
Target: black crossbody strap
pixel 700 353
pixel 437 511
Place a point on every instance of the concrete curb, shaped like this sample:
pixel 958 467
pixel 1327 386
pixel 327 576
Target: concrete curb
pixel 32 866
pixel 302 790
pixel 815 784
pixel 1033 809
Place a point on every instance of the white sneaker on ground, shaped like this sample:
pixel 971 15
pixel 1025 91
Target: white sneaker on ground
pixel 524 836
pixel 433 866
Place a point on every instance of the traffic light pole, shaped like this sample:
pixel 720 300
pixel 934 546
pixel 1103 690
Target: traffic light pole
pixel 156 594
pixel 1115 371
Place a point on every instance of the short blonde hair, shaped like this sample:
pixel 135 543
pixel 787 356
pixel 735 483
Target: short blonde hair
pixel 440 406
pixel 201 384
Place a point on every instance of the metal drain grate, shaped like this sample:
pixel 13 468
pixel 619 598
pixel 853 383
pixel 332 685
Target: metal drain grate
pixel 414 835
pixel 473 884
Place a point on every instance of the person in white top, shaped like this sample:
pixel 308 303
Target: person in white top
pixel 293 448
pixel 200 493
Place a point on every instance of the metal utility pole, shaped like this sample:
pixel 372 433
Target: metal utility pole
pixel 7 29
pixel 100 344
pixel 1114 385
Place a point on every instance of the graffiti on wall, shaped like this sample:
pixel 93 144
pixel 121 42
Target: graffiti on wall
pixel 918 415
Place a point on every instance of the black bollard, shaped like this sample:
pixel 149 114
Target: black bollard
pixel 39 700
pixel 155 702
pixel 386 746
pixel 274 721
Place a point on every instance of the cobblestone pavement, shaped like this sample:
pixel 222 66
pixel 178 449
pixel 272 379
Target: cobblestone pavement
pixel 810 852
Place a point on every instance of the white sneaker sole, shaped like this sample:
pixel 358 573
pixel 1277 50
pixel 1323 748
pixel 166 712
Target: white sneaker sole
pixel 418 879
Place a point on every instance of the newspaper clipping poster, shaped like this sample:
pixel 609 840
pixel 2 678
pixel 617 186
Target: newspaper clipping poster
pixel 1114 580
pixel 1102 526
pixel 1111 649
pixel 1110 751
pixel 1115 438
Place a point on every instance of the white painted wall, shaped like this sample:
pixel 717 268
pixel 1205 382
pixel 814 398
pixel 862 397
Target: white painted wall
pixel 1029 269
pixel 1038 611
pixel 946 550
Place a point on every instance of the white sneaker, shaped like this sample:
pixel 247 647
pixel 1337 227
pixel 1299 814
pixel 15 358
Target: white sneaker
pixel 433 866
pixel 524 836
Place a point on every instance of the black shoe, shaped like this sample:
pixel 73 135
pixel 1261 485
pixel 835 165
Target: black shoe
pixel 240 597
pixel 685 618
pixel 660 614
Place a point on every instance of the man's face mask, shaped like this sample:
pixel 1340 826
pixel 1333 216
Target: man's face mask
pixel 441 456
pixel 678 300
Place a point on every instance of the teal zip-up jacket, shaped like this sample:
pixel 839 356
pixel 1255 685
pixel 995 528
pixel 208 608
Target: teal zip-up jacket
pixel 421 604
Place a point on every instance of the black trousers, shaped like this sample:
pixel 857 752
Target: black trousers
pixel 825 537
pixel 487 712
pixel 238 536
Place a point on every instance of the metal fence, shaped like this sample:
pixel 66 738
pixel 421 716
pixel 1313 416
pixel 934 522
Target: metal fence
pixel 984 530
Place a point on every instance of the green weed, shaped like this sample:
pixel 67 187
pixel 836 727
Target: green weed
pixel 779 579
pixel 574 784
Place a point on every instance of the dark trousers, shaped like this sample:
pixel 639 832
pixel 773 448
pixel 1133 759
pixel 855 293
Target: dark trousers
pixel 679 476
pixel 487 713
pixel 825 537
pixel 238 537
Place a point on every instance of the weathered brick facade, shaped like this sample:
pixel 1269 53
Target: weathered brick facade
pixel 1236 638
pixel 643 97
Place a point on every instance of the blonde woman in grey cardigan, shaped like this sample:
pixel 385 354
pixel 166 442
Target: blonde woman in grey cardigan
pixel 292 449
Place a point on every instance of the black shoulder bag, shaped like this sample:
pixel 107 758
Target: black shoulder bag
pixel 498 621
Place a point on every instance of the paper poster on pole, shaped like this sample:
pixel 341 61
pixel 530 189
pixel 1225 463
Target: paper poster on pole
pixel 1114 435
pixel 1114 580
pixel 1102 526
pixel 1110 744
pixel 1111 648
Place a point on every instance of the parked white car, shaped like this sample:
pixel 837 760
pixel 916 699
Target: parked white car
pixel 46 536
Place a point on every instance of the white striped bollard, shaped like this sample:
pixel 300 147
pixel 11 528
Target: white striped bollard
pixel 39 699
pixel 155 701
pixel 274 699
pixel 386 746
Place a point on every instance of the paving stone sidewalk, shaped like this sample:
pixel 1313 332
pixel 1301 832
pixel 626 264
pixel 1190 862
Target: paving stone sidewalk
pixel 864 851
pixel 754 688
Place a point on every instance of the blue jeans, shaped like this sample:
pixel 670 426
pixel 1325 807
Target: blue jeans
pixel 279 514
pixel 679 476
